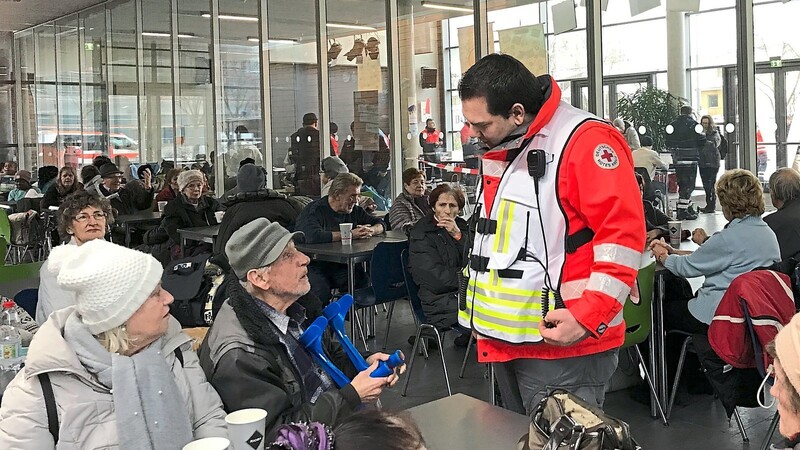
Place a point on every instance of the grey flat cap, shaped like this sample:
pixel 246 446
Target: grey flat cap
pixel 257 244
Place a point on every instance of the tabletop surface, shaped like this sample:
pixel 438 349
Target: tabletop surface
pixel 465 423
pixel 357 248
pixel 141 216
pixel 210 231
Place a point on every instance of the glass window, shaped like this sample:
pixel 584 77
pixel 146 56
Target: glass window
pixel 712 38
pixel 94 94
pixel 8 137
pixel 69 90
pixel 771 29
pixel 194 112
pixel 46 105
pixel 123 120
pixel 157 62
pixel 239 118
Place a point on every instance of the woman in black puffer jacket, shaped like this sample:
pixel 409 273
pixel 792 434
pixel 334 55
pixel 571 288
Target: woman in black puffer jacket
pixel 436 256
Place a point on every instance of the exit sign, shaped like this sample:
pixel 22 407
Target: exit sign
pixel 775 62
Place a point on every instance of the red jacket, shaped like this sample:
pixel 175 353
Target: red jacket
pixel 596 279
pixel 769 299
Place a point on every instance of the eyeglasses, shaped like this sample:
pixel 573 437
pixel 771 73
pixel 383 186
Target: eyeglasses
pixel 97 215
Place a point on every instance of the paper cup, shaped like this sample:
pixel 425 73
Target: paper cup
pixel 161 206
pixel 347 233
pixel 246 428
pixel 212 443
pixel 219 215
pixel 674 232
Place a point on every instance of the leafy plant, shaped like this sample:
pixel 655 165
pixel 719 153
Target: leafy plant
pixel 652 108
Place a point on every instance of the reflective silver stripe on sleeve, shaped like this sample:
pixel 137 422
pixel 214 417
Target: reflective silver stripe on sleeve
pixel 608 285
pixel 618 254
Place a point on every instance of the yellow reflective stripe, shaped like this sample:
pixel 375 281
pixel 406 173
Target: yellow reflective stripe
pixel 505 217
pixel 514 304
pixel 534 330
pixel 504 290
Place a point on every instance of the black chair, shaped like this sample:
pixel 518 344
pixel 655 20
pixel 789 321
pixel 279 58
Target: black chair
pixel 424 329
pixel 759 354
pixel 387 280
pixel 27 299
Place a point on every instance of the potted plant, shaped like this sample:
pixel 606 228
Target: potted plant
pixel 652 108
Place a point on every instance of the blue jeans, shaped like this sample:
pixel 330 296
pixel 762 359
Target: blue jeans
pixel 524 383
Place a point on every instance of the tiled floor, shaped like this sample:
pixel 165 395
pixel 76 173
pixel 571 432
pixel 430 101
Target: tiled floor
pixel 698 422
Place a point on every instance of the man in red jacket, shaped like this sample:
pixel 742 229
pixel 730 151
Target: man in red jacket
pixel 558 239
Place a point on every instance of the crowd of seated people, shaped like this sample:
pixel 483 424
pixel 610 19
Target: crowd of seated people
pixel 251 355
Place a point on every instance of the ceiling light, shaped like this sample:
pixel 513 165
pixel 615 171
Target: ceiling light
pixel 232 17
pixel 273 41
pixel 446 6
pixel 351 26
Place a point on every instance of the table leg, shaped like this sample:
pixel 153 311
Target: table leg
pixel 651 342
pixel 351 285
pixel 660 334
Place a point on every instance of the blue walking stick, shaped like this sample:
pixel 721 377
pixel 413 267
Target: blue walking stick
pixel 335 314
pixel 312 340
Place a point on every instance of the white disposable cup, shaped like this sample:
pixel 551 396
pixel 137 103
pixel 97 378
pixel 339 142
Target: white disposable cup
pixel 246 428
pixel 161 206
pixel 211 443
pixel 674 232
pixel 219 215
pixel 347 233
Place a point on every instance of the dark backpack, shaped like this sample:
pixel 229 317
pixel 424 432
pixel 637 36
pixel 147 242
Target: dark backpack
pixel 723 146
pixel 186 279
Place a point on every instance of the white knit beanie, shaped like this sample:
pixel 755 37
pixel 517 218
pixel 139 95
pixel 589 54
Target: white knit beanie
pixel 110 282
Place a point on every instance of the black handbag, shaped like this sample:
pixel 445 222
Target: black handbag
pixel 186 279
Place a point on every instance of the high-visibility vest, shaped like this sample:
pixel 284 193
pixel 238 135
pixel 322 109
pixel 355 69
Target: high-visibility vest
pixel 504 301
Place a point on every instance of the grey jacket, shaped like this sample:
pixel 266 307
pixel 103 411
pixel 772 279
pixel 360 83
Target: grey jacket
pixel 85 407
pixel 405 212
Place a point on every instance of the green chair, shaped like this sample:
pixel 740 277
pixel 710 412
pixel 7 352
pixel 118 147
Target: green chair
pixel 638 323
pixel 5 228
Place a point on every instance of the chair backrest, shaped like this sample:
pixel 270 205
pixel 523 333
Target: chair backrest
pixel 757 347
pixel 5 227
pixel 27 300
pixel 638 315
pixel 386 275
pixel 413 289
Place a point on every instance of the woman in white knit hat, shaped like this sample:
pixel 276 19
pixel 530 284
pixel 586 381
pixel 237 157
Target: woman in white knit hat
pixel 786 369
pixel 123 375
pixel 190 209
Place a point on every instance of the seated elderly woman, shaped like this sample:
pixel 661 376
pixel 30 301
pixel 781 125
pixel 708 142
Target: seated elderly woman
pixel 786 368
pixel 745 243
pixel 412 204
pixel 82 217
pixel 123 375
pixel 66 183
pixel 190 209
pixel 436 255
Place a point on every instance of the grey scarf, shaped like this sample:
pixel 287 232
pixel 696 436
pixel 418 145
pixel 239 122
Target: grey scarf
pixel 150 410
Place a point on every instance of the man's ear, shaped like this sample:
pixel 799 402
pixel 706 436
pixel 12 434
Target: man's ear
pixel 259 279
pixel 518 113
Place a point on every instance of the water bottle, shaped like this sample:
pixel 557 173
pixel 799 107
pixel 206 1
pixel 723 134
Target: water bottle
pixel 10 344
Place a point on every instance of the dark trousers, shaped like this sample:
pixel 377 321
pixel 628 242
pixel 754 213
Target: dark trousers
pixel 325 276
pixel 687 176
pixel 709 176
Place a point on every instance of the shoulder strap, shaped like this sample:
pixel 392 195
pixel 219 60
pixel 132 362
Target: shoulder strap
pixel 50 405
pixel 179 355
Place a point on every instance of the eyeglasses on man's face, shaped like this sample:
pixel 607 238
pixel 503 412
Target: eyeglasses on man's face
pixel 97 215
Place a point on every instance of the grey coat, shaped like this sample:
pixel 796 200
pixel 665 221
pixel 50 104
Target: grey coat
pixel 85 407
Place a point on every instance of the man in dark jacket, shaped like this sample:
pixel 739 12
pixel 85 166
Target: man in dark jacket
pixel 784 189
pixel 252 355
pixel 304 152
pixel 320 222
pixel 131 198
pixel 685 143
pixel 252 201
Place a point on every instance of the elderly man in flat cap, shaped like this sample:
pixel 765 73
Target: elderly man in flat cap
pixel 251 354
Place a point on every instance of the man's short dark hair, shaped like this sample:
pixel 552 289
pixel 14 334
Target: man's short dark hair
pixel 502 80
pixel 246 161
pixel 686 110
pixel 784 184
pixel 99 160
pixel 309 119
pixel 334 128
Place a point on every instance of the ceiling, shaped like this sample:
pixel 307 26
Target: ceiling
pixel 18 15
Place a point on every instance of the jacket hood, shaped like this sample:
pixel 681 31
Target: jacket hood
pixel 50 352
pixel 244 197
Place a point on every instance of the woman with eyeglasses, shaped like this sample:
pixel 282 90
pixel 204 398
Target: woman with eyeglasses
pixel 82 217
pixel 190 209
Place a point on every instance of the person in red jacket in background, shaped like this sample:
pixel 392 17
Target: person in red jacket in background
pixel 559 218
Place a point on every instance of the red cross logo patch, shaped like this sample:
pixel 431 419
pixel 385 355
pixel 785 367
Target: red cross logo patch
pixel 606 157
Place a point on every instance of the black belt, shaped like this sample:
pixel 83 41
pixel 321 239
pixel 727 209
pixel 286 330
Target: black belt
pixel 480 264
pixel 579 239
